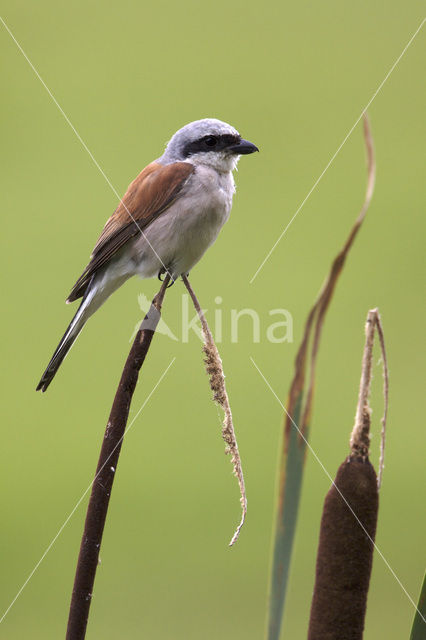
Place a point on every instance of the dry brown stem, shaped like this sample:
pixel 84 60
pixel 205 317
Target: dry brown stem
pixel 106 470
pixel 315 320
pixel 360 436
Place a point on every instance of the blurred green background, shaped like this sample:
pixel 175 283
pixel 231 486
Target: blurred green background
pixel 293 78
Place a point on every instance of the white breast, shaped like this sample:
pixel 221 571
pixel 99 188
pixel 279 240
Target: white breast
pixel 180 236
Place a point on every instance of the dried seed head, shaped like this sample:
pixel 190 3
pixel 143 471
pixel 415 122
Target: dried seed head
pixel 214 369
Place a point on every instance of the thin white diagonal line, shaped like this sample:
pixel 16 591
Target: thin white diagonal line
pixel 338 490
pixel 333 157
pixel 83 496
pixel 84 145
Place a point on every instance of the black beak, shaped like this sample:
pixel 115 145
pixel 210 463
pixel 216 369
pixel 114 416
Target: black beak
pixel 244 147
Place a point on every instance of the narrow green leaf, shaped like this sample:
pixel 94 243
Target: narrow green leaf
pixel 298 412
pixel 291 475
pixel 418 632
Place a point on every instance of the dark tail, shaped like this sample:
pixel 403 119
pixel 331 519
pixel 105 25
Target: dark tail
pixel 68 339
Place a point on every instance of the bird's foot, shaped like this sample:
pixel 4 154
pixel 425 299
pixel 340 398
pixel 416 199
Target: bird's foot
pixel 163 272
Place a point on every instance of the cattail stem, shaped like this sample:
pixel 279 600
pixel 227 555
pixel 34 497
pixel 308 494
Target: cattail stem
pixel 216 375
pixel 360 436
pixel 102 485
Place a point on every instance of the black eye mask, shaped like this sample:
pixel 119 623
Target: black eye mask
pixel 211 143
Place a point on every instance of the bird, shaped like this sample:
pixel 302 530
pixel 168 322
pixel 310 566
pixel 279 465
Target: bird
pixel 169 216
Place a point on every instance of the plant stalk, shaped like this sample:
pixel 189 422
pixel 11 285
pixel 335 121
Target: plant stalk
pixel 105 472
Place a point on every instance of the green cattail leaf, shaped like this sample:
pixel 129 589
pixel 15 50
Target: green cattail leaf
pixel 298 414
pixel 291 475
pixel 418 632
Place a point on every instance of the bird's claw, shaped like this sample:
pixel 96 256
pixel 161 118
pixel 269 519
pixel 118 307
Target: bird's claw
pixel 162 272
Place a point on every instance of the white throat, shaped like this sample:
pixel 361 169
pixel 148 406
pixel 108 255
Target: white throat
pixel 220 160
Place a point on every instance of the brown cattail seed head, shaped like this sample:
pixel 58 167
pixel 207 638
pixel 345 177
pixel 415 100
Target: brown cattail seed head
pixel 345 553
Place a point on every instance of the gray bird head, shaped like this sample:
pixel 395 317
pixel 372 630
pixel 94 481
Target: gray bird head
pixel 209 142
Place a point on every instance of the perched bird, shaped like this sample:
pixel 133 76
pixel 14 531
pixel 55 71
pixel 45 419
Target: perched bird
pixel 169 216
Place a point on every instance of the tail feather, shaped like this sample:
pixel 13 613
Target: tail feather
pixel 68 339
pixel 97 291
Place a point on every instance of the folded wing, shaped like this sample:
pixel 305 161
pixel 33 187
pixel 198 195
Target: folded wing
pixel 147 197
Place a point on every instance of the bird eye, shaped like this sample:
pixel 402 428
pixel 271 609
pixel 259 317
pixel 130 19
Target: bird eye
pixel 210 141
